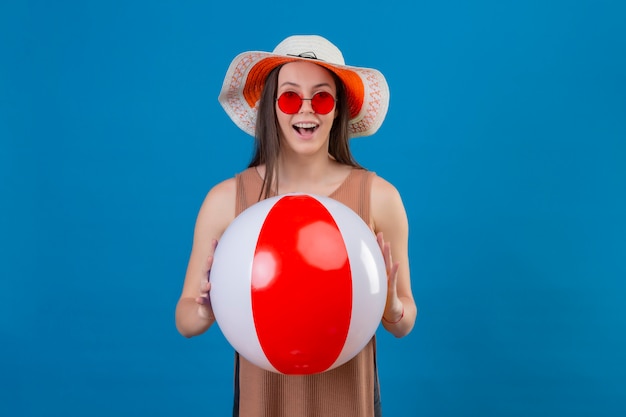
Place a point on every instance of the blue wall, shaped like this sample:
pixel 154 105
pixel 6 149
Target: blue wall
pixel 506 136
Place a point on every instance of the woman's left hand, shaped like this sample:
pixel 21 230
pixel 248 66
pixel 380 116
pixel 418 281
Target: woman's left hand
pixel 394 309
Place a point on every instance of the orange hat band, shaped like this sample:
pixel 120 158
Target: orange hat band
pixel 258 73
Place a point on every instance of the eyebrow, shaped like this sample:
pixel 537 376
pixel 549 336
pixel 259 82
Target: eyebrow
pixel 289 83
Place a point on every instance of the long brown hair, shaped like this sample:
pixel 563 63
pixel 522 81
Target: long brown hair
pixel 267 139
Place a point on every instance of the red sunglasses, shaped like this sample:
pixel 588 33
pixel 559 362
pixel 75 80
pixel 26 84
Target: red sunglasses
pixel 321 103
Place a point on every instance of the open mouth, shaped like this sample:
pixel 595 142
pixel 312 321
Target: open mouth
pixel 305 128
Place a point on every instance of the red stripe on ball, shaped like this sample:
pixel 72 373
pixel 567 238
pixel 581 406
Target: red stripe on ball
pixel 301 287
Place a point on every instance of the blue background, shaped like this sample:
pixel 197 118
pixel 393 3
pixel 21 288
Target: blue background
pixel 505 135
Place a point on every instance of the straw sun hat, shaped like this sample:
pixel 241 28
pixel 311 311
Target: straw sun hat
pixel 367 89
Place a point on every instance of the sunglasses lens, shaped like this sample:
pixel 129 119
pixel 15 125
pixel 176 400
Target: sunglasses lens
pixel 322 103
pixel 289 102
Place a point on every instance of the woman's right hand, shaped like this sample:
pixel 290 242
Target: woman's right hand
pixel 204 300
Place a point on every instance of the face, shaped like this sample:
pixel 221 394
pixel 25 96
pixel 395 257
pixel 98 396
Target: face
pixel 307 130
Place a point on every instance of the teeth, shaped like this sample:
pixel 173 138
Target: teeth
pixel 305 125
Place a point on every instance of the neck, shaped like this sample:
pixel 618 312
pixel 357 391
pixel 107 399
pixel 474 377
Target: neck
pixel 302 172
pixel 314 176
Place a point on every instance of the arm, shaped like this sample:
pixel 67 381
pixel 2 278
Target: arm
pixel 193 310
pixel 392 230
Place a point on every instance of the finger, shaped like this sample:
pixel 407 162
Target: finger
pixel 380 240
pixel 203 300
pixel 208 266
pixel 209 259
pixel 385 247
pixel 393 277
pixel 209 262
pixel 387 257
pixel 205 287
pixel 394 304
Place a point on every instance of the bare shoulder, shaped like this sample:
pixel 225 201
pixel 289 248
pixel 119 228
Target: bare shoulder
pixel 385 194
pixel 386 203
pixel 224 189
pixel 382 188
pixel 218 208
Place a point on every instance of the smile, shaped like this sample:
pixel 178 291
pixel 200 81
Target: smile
pixel 303 128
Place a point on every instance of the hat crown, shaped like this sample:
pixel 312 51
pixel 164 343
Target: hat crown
pixel 310 46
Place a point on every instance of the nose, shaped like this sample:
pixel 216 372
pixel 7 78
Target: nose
pixel 306 106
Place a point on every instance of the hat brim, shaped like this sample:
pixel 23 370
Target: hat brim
pixel 367 91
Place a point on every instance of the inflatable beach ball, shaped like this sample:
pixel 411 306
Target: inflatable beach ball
pixel 298 284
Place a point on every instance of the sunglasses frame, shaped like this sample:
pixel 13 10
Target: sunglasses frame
pixel 310 99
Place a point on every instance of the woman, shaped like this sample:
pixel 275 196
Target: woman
pixel 302 104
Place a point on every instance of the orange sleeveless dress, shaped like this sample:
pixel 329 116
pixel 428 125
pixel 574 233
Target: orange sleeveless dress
pixel 350 390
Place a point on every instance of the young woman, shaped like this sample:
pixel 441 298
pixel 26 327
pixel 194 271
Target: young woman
pixel 302 104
